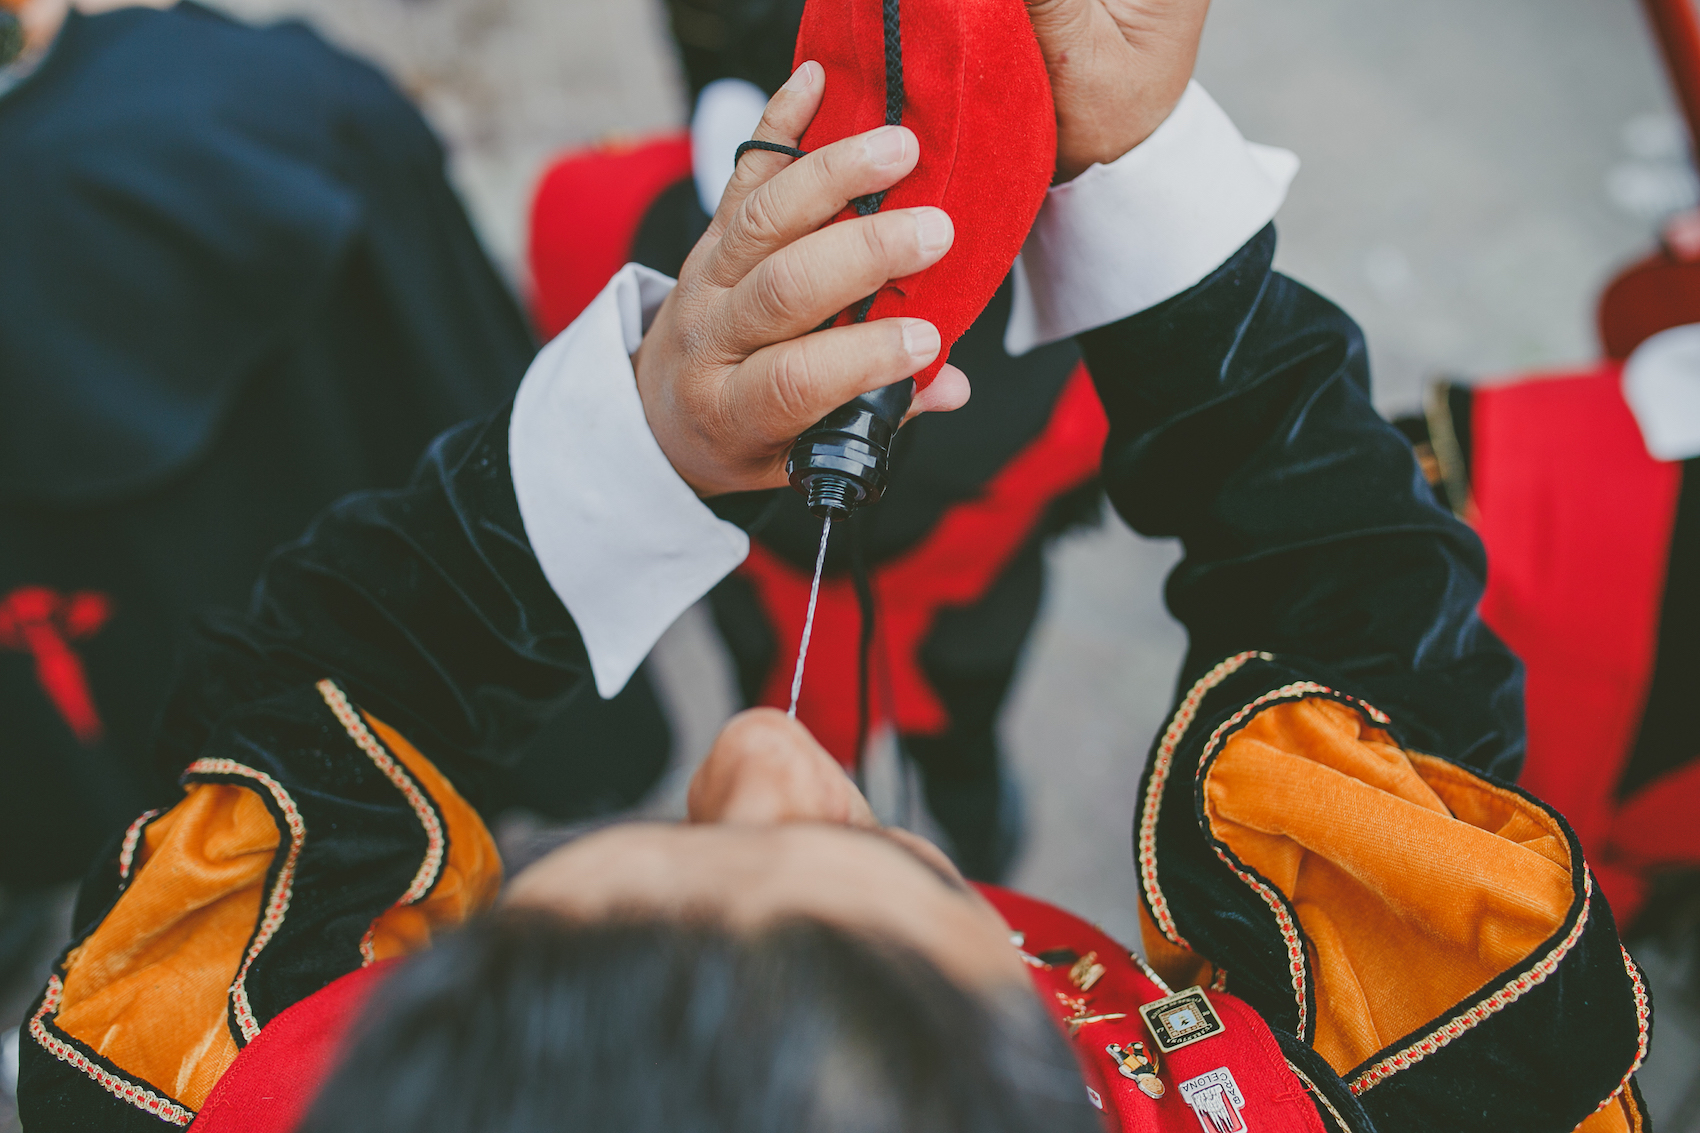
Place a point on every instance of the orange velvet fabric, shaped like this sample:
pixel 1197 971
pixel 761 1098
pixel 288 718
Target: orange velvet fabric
pixel 472 873
pixel 1416 882
pixel 148 988
pixel 1621 1116
pixel 1179 967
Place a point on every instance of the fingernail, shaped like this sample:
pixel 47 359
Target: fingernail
pixel 920 339
pixel 803 77
pixel 934 229
pixel 887 145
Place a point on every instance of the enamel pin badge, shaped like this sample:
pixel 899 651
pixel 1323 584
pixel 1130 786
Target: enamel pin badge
pixel 1216 1101
pixel 1181 1019
pixel 1138 1065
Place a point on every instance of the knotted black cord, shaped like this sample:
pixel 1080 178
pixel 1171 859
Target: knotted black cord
pixel 870 204
pixel 770 147
pixel 867 206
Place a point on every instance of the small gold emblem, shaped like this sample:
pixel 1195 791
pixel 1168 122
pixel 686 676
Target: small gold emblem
pixel 1080 1014
pixel 1181 1019
pixel 1086 972
pixel 1135 1062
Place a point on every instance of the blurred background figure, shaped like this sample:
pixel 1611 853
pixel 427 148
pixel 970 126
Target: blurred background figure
pixel 929 597
pixel 1585 486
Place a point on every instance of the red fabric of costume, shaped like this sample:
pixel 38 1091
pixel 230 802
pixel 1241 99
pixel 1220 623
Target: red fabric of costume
pixel 273 1081
pixel 1272 1099
pixel 979 101
pixel 586 212
pixel 953 566
pixel 1577 519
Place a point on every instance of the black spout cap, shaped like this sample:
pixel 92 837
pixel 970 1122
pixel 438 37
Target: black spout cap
pixel 843 461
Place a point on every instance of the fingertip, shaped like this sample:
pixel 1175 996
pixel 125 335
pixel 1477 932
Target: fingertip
pixel 949 390
pixel 806 76
pixel 920 341
pixel 793 106
pixel 934 230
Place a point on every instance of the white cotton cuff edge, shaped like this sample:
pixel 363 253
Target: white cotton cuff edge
pixel 1661 383
pixel 624 542
pixel 1121 238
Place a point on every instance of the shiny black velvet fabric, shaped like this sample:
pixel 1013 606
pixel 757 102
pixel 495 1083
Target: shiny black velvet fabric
pixel 427 607
pixel 1240 421
pixel 425 603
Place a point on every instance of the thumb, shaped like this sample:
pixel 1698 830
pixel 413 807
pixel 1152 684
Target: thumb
pixel 1059 24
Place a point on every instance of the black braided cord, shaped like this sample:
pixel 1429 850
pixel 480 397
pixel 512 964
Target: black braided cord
pixel 870 204
pixel 770 147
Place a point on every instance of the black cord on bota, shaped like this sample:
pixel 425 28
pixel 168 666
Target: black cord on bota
pixel 843 461
pixel 770 147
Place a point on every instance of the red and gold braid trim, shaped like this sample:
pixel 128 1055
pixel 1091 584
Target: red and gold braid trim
pixel 277 901
pixel 1456 1027
pixel 436 842
pixel 73 1054
pixel 1162 762
pixel 1284 918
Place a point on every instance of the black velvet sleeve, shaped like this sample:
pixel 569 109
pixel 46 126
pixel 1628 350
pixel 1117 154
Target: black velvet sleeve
pixel 426 604
pixel 1240 421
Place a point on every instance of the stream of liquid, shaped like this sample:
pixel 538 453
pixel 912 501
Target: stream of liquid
pixel 809 621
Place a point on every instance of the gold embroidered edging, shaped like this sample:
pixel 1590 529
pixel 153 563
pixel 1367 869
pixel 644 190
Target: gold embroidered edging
pixel 1643 1021
pixel 1458 1025
pixel 435 843
pixel 132 837
pixel 282 890
pixel 1164 758
pixel 1298 690
pixel 120 1087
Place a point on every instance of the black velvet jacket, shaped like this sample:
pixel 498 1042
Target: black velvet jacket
pixel 1318 569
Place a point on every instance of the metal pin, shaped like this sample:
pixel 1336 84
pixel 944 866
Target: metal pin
pixel 809 621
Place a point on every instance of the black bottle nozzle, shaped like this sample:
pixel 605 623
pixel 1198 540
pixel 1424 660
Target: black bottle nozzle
pixel 843 461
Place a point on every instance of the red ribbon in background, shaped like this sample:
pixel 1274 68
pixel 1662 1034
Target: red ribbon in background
pixel 43 623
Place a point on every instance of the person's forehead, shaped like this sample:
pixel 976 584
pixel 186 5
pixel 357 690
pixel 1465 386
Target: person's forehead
pixel 743 875
pixel 638 850
pixel 748 878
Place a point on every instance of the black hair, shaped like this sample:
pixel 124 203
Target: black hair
pixel 526 1023
pixel 752 40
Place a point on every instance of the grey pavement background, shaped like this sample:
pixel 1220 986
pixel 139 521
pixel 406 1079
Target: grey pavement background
pixel 1473 172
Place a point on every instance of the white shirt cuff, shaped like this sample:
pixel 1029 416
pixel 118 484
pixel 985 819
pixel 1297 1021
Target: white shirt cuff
pixel 1125 236
pixel 1661 383
pixel 624 542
